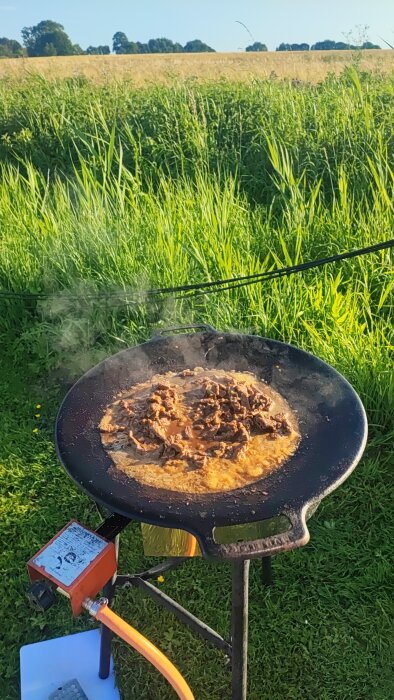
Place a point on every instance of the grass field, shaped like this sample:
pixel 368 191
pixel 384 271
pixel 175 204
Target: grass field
pixel 108 188
pixel 309 66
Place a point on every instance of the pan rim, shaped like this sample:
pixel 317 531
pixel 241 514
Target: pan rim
pixel 214 498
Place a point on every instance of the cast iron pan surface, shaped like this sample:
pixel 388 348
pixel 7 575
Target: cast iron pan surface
pixel 331 417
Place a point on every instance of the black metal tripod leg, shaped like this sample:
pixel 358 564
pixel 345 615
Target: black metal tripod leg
pixel 266 571
pixel 106 634
pixel 239 629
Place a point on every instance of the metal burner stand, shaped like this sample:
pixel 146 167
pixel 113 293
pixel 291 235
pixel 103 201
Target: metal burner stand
pixel 236 650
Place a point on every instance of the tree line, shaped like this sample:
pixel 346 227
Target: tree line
pixel 327 45
pixel 121 45
pixel 48 38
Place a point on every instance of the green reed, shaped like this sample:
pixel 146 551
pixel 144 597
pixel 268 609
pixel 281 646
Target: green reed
pixel 121 190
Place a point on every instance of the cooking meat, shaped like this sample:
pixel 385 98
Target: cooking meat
pixel 199 430
pixel 212 418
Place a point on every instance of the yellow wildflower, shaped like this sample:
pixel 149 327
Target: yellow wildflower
pixel 37 415
pixel 38 405
pixel 35 430
pixel 160 579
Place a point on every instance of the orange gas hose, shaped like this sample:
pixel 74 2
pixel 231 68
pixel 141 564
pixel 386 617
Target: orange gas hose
pixel 146 648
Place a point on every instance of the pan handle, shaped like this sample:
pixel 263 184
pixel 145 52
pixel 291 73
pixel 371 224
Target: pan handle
pixel 297 536
pixel 201 326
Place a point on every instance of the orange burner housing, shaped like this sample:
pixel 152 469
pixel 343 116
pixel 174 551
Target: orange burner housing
pixel 78 561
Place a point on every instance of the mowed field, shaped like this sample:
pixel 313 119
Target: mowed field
pixel 108 190
pixel 310 66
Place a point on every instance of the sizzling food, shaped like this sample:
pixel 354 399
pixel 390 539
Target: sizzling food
pixel 199 430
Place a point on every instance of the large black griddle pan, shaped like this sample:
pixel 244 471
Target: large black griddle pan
pixel 331 417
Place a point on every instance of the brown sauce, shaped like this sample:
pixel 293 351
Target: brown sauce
pixel 186 453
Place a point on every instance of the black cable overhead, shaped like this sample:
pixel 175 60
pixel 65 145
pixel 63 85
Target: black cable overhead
pixel 199 288
pixel 237 282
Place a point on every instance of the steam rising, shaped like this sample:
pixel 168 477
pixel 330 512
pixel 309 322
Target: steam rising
pixel 84 326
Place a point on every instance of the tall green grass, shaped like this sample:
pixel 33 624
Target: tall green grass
pixel 118 190
pixel 113 190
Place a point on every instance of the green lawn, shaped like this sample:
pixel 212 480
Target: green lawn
pixel 113 189
pixel 323 631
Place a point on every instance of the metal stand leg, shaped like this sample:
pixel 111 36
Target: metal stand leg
pixel 239 629
pixel 106 634
pixel 266 571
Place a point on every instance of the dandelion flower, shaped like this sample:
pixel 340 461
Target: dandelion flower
pixel 160 579
pixel 38 405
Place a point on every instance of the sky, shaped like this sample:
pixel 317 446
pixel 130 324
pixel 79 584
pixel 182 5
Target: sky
pixel 94 22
